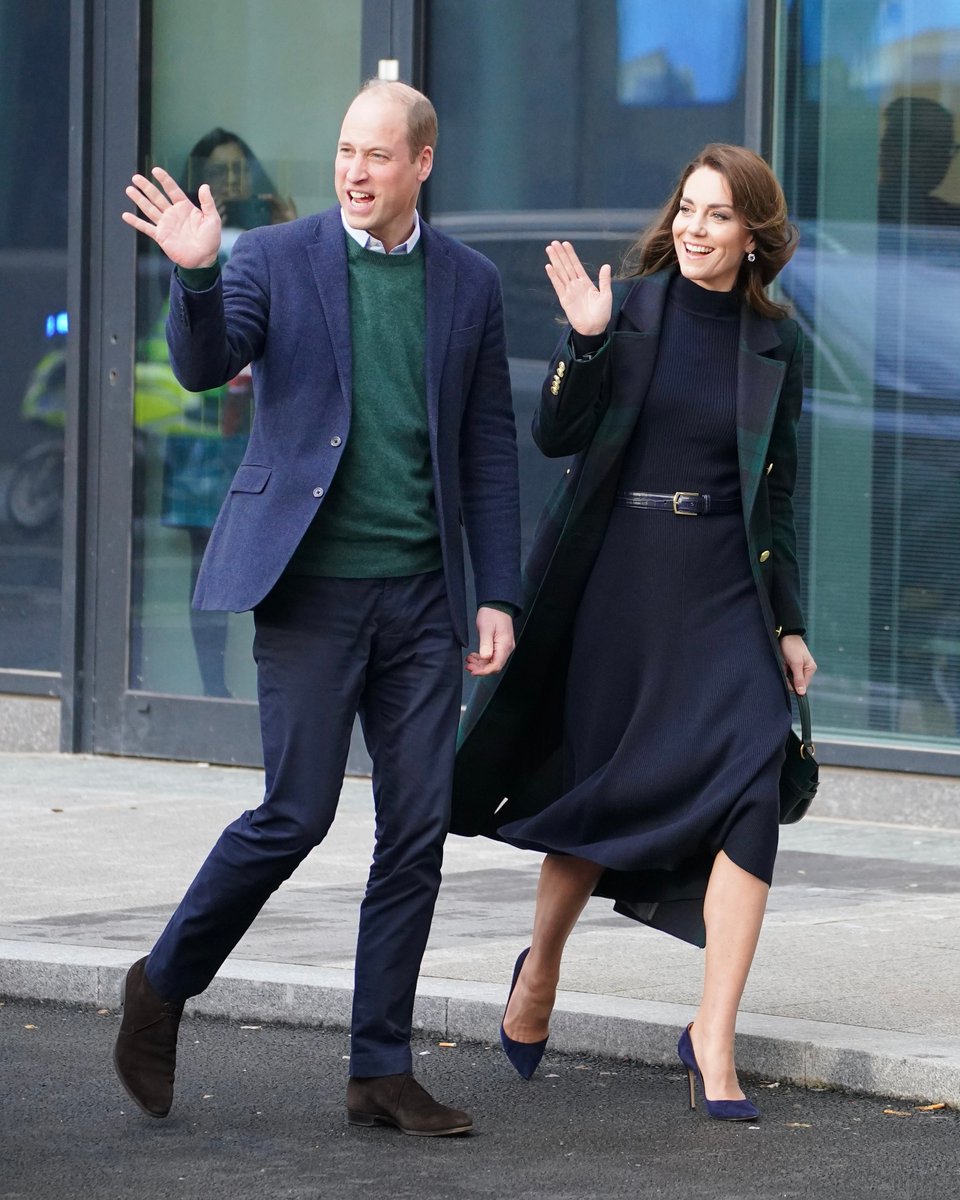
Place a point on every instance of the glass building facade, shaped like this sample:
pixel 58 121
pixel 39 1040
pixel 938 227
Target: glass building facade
pixel 558 118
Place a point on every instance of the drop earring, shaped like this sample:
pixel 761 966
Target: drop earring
pixel 751 257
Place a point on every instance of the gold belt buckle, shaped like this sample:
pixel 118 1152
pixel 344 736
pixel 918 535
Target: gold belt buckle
pixel 677 497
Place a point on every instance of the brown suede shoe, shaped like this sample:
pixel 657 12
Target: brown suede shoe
pixel 146 1051
pixel 399 1100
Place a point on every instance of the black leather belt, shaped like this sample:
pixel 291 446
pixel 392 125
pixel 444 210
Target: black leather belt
pixel 682 504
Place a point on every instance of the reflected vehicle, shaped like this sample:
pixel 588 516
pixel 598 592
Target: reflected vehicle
pixel 34 491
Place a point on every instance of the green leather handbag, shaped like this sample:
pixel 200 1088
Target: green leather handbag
pixel 800 774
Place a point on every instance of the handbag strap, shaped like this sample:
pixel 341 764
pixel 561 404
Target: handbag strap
pixel 806 729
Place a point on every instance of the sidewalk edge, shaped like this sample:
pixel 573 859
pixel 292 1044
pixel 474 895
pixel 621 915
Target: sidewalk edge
pixel 874 1062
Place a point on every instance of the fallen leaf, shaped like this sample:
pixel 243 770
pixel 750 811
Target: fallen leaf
pixel 896 1112
pixel 929 1107
pixel 208 1096
pixel 103 1012
pixel 29 1026
pixel 776 1083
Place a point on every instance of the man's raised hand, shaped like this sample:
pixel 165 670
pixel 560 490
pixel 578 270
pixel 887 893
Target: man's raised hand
pixel 188 235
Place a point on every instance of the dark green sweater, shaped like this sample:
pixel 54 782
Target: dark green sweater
pixel 378 519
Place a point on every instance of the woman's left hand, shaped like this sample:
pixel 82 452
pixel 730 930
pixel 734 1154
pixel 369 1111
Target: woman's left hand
pixel 798 662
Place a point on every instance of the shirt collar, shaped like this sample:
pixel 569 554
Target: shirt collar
pixel 369 242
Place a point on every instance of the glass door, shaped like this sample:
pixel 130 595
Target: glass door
pixel 248 98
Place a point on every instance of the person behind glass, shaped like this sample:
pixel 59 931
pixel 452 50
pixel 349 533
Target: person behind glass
pixel 200 459
pixel 916 151
pixel 383 413
pixel 638 732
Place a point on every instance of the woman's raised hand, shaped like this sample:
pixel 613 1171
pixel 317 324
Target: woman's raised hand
pixel 587 307
pixel 188 236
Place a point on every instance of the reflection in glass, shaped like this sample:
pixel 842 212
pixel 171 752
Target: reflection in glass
pixel 203 435
pixel 870 138
pixel 34 45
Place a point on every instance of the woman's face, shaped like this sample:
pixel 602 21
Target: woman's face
pixel 228 173
pixel 708 234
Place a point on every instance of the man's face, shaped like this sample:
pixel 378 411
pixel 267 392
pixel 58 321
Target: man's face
pixel 377 183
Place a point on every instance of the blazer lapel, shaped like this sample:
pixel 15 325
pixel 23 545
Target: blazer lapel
pixel 328 260
pixel 635 353
pixel 759 380
pixel 440 284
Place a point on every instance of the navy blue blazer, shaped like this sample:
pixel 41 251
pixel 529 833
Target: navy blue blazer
pixel 282 304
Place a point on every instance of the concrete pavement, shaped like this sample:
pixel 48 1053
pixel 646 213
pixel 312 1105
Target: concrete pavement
pixel 855 985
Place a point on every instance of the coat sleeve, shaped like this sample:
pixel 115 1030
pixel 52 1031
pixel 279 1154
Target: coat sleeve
pixel 214 334
pixel 489 478
pixel 782 478
pixel 573 400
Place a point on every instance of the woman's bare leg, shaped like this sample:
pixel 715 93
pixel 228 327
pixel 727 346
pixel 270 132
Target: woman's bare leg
pixel 565 886
pixel 733 913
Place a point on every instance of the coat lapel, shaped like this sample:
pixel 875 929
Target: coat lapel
pixel 759 380
pixel 440 283
pixel 634 351
pixel 328 260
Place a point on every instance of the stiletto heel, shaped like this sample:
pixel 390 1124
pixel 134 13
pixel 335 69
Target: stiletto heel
pixel 720 1110
pixel 524 1056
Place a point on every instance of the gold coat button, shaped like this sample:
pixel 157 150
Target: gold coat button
pixel 561 368
pixel 764 555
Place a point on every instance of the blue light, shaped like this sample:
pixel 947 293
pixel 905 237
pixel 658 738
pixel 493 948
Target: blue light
pixel 56 323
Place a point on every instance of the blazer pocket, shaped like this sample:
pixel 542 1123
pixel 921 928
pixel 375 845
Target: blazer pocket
pixel 466 336
pixel 250 478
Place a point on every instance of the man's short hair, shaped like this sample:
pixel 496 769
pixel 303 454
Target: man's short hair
pixel 421 115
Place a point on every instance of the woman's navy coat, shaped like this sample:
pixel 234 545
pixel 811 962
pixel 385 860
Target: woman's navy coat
pixel 512 733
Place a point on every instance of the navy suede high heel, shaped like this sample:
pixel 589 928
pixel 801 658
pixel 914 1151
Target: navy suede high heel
pixel 721 1110
pixel 525 1056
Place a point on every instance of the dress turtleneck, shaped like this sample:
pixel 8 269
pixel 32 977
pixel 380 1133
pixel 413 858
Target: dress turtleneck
pixel 702 302
pixel 686 436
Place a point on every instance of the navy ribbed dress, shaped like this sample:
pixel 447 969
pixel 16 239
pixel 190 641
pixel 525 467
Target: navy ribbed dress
pixel 676 713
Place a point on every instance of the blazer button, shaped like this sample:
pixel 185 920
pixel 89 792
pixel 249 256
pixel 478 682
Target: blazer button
pixel 335 441
pixel 764 555
pixel 318 492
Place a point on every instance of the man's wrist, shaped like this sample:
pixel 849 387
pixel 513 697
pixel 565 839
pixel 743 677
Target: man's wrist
pixel 199 279
pixel 511 610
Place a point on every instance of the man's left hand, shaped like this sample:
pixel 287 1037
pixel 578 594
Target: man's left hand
pixel 496 642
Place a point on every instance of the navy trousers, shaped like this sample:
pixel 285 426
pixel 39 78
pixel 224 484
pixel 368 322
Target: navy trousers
pixel 327 649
